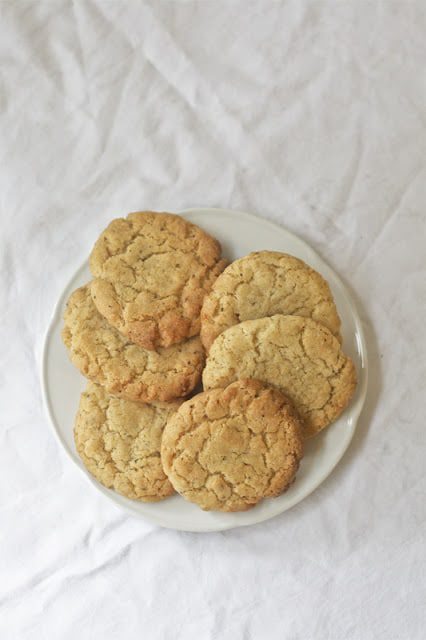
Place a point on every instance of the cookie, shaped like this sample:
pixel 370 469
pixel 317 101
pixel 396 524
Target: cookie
pixel 151 273
pixel 297 355
pixel 226 449
pixel 103 355
pixel 119 443
pixel 266 283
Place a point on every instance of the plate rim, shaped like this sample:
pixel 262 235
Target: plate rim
pixel 356 408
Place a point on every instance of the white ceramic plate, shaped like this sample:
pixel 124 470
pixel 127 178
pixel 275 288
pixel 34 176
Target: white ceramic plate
pixel 239 233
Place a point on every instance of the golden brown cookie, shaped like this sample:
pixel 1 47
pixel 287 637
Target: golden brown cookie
pixel 103 355
pixel 119 443
pixel 226 449
pixel 297 355
pixel 151 273
pixel 266 283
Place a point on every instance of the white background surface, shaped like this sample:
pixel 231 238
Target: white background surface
pixel 308 113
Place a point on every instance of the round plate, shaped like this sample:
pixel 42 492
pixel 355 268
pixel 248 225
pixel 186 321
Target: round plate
pixel 239 233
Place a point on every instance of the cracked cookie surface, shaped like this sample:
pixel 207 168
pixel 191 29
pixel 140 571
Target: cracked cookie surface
pixel 296 355
pixel 151 273
pixel 119 443
pixel 226 449
pixel 103 355
pixel 266 283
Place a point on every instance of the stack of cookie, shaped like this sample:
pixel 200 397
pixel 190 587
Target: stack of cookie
pixel 160 299
pixel 271 317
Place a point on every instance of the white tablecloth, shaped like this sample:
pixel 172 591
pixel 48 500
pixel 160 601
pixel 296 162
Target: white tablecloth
pixel 308 113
